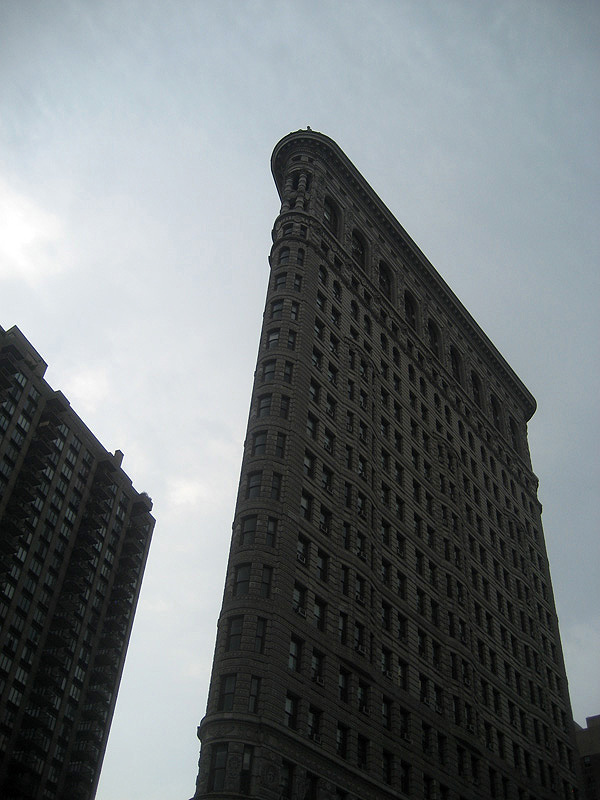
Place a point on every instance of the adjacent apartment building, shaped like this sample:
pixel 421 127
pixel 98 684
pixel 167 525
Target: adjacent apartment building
pixel 74 537
pixel 388 627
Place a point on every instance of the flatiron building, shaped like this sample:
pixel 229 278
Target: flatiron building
pixel 388 628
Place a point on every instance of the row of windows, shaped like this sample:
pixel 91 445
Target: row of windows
pixel 413 316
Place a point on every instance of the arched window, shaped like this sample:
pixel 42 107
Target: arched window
pixel 284 256
pixel 514 434
pixel 434 338
pixel 476 383
pixel 410 310
pixel 359 251
pixel 330 216
pixel 496 413
pixel 456 364
pixel 385 280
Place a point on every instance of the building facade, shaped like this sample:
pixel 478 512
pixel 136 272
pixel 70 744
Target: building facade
pixel 388 626
pixel 74 537
pixel 588 745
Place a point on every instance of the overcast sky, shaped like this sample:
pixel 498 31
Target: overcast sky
pixel 136 205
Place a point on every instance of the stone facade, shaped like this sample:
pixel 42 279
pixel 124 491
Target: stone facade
pixel 388 626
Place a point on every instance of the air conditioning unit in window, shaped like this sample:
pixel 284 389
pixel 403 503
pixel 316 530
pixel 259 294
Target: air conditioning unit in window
pixel 362 555
pixel 490 745
pixel 300 610
pixel 364 710
pixel 360 599
pixel 360 648
pixel 316 738
pixel 471 727
pixel 324 527
pixel 439 709
pixel 329 488
pixel 319 680
pixel 467 681
pixel 406 737
pixel 387 673
pixel 301 558
pixel 328 447
pixel 349 427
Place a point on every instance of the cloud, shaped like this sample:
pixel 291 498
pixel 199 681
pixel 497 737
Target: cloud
pixel 87 389
pixel 29 236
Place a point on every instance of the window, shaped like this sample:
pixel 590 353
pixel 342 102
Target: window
pixel 246 773
pixel 280 445
pixel 434 338
pixel 341 740
pixel 248 531
pixel 272 338
pixel 276 309
pixel 226 692
pixel 476 384
pixel 254 694
pixel 314 391
pixel 319 611
pixel 456 364
pixel 330 406
pixel 299 599
pixel 287 780
pixel 295 655
pixel 241 584
pixel 290 715
pixel 358 249
pixel 259 443
pixel 311 426
pixel 284 256
pixel 265 584
pixel 309 464
pixel 385 280
pixel 253 485
pixel 330 216
pixel 261 632
pixel 306 505
pixel 410 310
pixel 343 684
pixel 362 750
pixel 264 405
pixel 234 633
pixel 280 280
pixel 297 283
pixel 284 406
pixel 317 666
pixel 322 565
pixel 294 311
pixel 218 766
pixel 275 486
pixel 269 370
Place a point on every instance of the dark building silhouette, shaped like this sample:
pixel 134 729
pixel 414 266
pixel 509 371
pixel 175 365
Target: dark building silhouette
pixel 588 745
pixel 74 537
pixel 388 626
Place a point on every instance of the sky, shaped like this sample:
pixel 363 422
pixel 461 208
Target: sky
pixel 136 207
